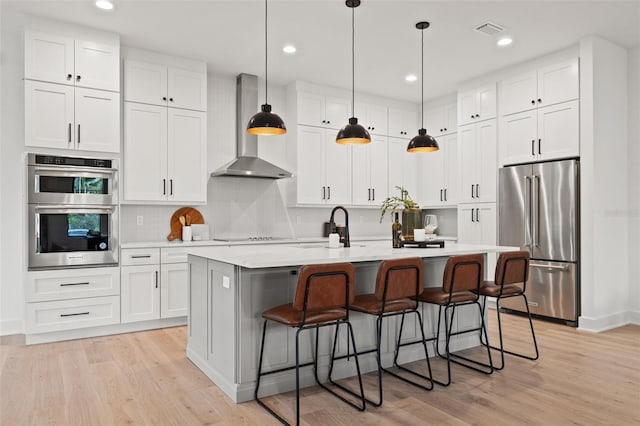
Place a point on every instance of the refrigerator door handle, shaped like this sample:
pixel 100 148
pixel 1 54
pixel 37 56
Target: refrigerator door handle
pixel 562 268
pixel 527 212
pixel 535 193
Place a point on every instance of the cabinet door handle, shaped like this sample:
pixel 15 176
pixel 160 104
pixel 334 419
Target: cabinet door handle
pixel 69 133
pixel 477 215
pixel 68 284
pixel 73 315
pixel 539 100
pixel 69 76
pixel 170 186
pixel 156 279
pixel 445 194
pixel 78 78
pixel 373 194
pixel 441 199
pixel 539 146
pixel 324 192
pixel 328 192
pixel 477 190
pixel 141 256
pixel 533 102
pixel 369 194
pixel 164 187
pixel 472 196
pixel 78 134
pixel 472 220
pixel 533 147
pixel 164 98
pixel 170 99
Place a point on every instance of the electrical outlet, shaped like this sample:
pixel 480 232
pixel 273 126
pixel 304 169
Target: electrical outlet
pixel 225 282
pixel 139 220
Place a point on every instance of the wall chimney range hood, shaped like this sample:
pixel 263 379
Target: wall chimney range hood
pixel 247 163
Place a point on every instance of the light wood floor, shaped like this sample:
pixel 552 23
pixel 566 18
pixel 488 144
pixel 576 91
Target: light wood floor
pixel 145 378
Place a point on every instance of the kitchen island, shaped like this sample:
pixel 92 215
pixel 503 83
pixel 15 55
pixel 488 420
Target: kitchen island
pixel 230 287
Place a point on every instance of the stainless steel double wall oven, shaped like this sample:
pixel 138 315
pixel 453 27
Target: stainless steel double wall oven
pixel 73 212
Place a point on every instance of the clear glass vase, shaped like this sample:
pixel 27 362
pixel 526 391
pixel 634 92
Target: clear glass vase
pixel 411 219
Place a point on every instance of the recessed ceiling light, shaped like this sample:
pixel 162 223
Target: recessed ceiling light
pixel 411 78
pixel 104 4
pixel 505 41
pixel 289 48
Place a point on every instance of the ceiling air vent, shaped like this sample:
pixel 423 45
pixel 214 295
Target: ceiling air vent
pixel 489 28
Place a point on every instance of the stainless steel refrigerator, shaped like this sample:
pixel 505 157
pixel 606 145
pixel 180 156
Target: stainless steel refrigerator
pixel 539 212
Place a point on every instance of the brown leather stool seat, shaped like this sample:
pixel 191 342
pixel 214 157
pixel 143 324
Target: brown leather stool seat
pixel 512 272
pixel 322 298
pixel 461 281
pixel 398 283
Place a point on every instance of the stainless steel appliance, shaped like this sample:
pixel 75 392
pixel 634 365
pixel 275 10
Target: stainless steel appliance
pixel 73 216
pixel 539 212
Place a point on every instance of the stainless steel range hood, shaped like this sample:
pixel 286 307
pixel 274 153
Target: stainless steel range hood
pixel 247 163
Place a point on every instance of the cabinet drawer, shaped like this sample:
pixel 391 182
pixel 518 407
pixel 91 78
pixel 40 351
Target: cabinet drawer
pixel 146 256
pixel 174 255
pixel 42 286
pixel 61 315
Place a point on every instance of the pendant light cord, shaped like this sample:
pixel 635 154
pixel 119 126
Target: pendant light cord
pixel 265 54
pixel 422 79
pixel 353 63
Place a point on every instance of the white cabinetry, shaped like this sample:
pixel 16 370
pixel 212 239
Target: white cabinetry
pixel 63 60
pixel 477 104
pixel 69 299
pixel 322 111
pixel 164 154
pixel 477 223
pixel 438 174
pixel 478 162
pixel 154 286
pixel 166 86
pixel 541 134
pixel 373 118
pixel 441 120
pixel 403 168
pixel 403 123
pixel 324 167
pixel 370 172
pixel 546 86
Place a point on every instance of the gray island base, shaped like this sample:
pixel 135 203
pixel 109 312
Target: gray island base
pixel 230 287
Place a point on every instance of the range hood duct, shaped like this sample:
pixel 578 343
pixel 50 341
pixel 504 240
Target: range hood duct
pixel 247 163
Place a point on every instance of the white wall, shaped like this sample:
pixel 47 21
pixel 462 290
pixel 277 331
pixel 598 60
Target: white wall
pixel 634 182
pixel 604 185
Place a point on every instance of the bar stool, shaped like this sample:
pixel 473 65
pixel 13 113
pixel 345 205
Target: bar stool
pixel 398 284
pixel 461 281
pixel 322 298
pixel 512 272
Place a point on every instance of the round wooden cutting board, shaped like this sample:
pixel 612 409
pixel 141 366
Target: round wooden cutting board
pixel 194 217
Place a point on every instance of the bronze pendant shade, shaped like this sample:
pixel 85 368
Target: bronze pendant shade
pixel 353 133
pixel 265 122
pixel 422 142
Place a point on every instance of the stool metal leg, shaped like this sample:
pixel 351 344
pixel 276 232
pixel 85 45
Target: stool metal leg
pixel 255 393
pixel 487 368
pixel 429 378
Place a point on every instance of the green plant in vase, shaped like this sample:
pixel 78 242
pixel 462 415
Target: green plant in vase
pixel 411 213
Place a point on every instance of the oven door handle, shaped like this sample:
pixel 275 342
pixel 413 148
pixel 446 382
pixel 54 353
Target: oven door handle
pixel 68 208
pixel 74 169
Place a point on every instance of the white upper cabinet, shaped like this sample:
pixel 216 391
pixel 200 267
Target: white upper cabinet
pixel 477 104
pixel 64 117
pixel 403 168
pixel 159 84
pixel 478 162
pixel 63 60
pixel 441 120
pixel 546 86
pixel 546 133
pixel 438 174
pixel 323 111
pixel 369 172
pixel 372 117
pixel 403 123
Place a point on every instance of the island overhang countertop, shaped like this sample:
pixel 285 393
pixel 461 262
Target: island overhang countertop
pixel 282 255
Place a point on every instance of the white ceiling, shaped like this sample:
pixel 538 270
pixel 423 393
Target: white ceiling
pixel 229 36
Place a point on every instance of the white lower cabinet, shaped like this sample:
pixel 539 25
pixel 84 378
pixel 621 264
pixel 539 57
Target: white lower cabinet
pixel 67 299
pixel 154 284
pixel 140 293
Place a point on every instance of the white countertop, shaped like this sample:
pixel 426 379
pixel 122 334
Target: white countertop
pixel 214 243
pixel 294 254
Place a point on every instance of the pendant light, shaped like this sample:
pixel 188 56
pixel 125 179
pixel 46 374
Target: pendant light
pixel 265 122
pixel 423 142
pixel 353 133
